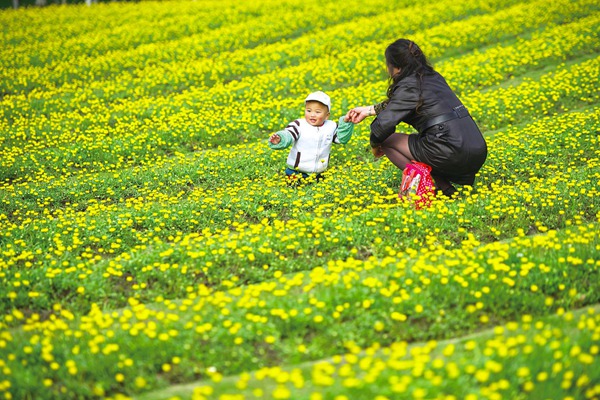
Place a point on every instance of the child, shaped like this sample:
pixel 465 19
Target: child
pixel 312 137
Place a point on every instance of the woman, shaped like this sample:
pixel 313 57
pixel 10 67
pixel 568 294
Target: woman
pixel 448 140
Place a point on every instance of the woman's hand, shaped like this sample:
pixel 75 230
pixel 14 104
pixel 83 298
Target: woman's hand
pixel 377 152
pixel 275 139
pixel 357 114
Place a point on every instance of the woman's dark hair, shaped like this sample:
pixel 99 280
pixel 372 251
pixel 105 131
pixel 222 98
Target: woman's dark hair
pixel 406 55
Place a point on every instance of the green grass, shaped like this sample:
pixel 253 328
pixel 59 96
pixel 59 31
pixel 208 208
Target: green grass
pixel 151 247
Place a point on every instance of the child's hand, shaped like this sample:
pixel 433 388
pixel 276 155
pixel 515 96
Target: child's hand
pixel 275 139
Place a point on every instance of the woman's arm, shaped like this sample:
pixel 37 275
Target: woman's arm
pixel 358 114
pixel 400 105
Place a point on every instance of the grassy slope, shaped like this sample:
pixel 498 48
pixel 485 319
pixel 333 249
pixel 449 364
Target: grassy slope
pixel 183 185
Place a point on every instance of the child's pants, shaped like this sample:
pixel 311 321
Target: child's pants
pixel 292 172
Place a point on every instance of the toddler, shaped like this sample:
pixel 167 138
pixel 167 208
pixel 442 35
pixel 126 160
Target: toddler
pixel 311 137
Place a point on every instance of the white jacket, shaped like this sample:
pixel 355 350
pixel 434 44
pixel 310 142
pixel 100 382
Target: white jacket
pixel 312 145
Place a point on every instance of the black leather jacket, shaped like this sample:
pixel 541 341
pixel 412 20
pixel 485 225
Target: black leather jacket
pixel 437 97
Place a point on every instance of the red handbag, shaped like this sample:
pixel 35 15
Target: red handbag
pixel 417 184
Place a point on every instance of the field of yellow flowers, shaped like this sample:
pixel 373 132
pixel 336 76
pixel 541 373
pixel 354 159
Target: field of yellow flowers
pixel 151 248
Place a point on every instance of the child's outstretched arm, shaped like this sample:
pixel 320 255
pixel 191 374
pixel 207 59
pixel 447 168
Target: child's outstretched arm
pixel 344 130
pixel 280 140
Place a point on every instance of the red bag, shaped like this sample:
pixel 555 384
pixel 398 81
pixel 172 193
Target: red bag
pixel 417 184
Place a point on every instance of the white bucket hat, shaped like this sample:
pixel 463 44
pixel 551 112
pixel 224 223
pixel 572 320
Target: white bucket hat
pixel 320 97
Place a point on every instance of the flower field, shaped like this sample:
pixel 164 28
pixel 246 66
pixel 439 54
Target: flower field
pixel 151 248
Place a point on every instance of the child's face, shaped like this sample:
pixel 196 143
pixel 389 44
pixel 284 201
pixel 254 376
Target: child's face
pixel 316 113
